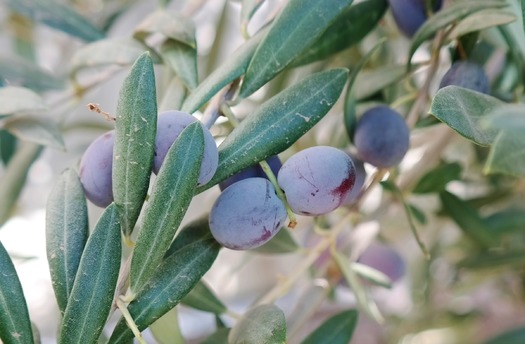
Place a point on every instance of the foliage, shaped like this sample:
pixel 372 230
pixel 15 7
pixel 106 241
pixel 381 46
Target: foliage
pixel 303 74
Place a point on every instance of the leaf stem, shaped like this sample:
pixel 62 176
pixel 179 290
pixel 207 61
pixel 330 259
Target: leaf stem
pixel 129 320
pixel 269 173
pixel 214 109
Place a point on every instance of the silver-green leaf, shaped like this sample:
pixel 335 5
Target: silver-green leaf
pixel 58 16
pixel 338 329
pixel 263 324
pixel 67 230
pixel 232 69
pixel 36 129
pixel 299 25
pixel 15 326
pixel 171 195
pixel 449 15
pixel 135 130
pixel 279 122
pixel 462 110
pixel 182 59
pixel 14 177
pixel 173 279
pixel 507 154
pixel 106 52
pixel 94 287
pixel 20 100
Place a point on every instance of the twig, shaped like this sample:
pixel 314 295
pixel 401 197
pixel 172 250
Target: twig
pixel 129 320
pixel 421 100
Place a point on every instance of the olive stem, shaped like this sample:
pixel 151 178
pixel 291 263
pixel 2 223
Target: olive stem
pixel 421 100
pixel 267 169
pixel 269 173
pixel 282 288
pixel 129 320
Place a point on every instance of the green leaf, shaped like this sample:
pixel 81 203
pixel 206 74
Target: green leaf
pixel 437 179
pixel 349 28
pixel 135 130
pixel 364 301
pixel 171 195
pixel 410 214
pixel 8 145
pixel 58 16
pixel 507 154
pixel 173 279
pixel 192 232
pixel 106 52
pixel 263 324
pixel 166 329
pixel 218 337
pixel 233 68
pixel 372 81
pixel 21 72
pixel 338 329
pixel 173 96
pixel 67 230
pixel 202 297
pixel 417 213
pixel 35 129
pixel 278 123
pixel 514 336
pixel 372 275
pixel 15 175
pixel 171 25
pixel 299 24
pixel 494 260
pixel 92 294
pixel 281 243
pixel 467 218
pixel 462 110
pixel 449 15
pixel 481 20
pixel 248 9
pixel 15 326
pixel 506 221
pixel 182 59
pixel 506 117
pixel 20 100
pixel 350 105
pixel 523 14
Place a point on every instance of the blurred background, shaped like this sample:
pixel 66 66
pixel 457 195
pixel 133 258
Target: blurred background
pixel 430 302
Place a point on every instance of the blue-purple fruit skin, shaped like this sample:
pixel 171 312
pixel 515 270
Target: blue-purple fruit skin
pixel 247 214
pixel 170 125
pixel 381 137
pixel 468 75
pixel 95 170
pixel 409 15
pixel 360 178
pixel 253 171
pixel 384 259
pixel 317 180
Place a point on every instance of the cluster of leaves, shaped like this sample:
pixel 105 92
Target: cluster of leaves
pixel 321 39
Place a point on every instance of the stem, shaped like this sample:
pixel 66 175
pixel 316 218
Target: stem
pixel 129 320
pixel 232 314
pixel 421 100
pixel 215 107
pixel 269 173
pixel 266 168
pixel 282 288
